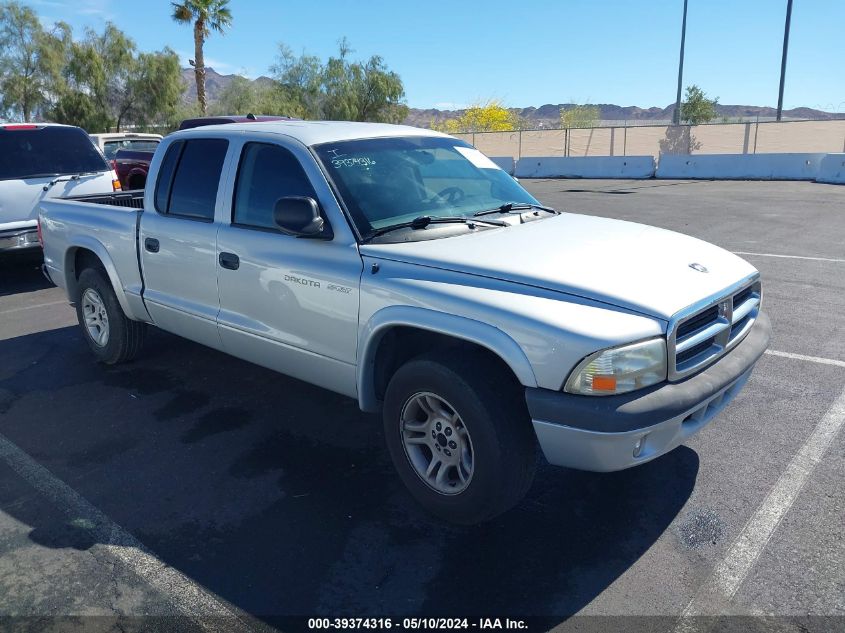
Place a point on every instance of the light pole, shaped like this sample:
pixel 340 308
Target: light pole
pixel 783 59
pixel 676 116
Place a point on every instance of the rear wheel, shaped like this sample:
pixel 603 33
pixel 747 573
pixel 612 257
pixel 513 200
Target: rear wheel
pixel 460 436
pixel 112 337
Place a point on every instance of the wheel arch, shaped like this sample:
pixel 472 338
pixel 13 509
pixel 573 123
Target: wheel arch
pixel 433 328
pixel 86 253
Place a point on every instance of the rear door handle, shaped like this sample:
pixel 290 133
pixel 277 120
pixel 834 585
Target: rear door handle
pixel 151 244
pixel 229 260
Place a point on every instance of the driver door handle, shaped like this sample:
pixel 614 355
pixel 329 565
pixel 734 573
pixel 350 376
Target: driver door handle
pixel 229 260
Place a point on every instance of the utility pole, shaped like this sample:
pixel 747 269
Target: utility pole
pixel 676 116
pixel 783 59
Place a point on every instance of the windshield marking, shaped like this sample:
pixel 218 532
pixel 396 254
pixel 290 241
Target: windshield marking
pixel 361 161
pixel 388 181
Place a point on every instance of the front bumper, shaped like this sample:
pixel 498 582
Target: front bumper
pixel 606 433
pixel 19 239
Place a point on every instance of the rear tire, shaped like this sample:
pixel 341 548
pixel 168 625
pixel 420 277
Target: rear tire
pixel 111 335
pixel 458 403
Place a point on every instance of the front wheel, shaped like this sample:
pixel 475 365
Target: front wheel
pixel 459 436
pixel 111 335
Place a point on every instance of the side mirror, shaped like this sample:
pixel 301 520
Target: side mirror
pixel 299 216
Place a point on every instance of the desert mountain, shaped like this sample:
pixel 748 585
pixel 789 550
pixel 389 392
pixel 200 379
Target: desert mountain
pixel 545 116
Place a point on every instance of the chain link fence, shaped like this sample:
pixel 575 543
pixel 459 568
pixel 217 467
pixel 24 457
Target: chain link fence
pixel 755 137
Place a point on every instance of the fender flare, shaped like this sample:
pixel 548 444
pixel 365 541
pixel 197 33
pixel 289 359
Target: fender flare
pixel 91 244
pixel 459 327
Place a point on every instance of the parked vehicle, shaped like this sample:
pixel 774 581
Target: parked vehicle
pixel 188 124
pixel 42 160
pixel 109 143
pixel 131 167
pixel 401 267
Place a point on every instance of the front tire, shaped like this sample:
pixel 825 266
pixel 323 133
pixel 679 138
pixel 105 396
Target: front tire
pixel 460 436
pixel 111 335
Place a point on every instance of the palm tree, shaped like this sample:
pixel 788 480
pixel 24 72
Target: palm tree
pixel 206 16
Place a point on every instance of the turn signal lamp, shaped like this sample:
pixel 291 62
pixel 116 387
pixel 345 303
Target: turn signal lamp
pixel 620 369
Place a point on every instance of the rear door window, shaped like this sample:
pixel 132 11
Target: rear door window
pixel 189 178
pixel 29 151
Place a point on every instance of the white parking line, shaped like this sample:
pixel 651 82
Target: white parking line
pixel 33 307
pixel 729 574
pixel 815 259
pixel 188 598
pixel 811 359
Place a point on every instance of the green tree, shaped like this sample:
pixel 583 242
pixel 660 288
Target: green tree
pixel 340 89
pixel 242 96
pixel 206 16
pixel 300 82
pixel 109 84
pixel 157 88
pixel 180 113
pixel 490 116
pixel 31 60
pixel 100 67
pixel 580 116
pixel 380 93
pixel 696 107
pixel 77 108
pixel 238 97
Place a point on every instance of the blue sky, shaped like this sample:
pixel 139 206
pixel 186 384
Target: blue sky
pixel 528 52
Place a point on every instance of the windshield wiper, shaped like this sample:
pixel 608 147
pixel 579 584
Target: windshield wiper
pixel 68 178
pixel 514 206
pixel 424 220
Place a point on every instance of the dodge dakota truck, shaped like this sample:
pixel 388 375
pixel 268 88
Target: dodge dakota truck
pixel 401 267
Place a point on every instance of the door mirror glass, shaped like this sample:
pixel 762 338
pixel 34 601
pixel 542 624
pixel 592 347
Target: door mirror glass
pixel 298 215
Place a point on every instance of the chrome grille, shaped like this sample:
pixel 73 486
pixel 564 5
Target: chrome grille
pixel 706 331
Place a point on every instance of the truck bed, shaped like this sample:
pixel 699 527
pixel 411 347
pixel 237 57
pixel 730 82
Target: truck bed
pixel 105 224
pixel 132 199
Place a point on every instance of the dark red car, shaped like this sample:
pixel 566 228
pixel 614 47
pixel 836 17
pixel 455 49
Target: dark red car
pixel 234 118
pixel 131 166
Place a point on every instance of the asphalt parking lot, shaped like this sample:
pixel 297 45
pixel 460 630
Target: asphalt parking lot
pixel 192 484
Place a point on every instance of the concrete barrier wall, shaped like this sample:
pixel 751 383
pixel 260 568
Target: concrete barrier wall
pixel 506 163
pixel 832 169
pixel 740 166
pixel 585 167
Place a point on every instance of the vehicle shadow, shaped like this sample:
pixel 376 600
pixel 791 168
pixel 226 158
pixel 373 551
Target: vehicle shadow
pixel 280 497
pixel 21 272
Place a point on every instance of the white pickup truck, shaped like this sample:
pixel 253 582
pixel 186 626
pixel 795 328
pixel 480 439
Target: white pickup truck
pixel 401 267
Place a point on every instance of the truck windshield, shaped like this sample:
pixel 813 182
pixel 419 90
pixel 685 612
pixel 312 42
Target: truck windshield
pixel 30 151
pixel 385 181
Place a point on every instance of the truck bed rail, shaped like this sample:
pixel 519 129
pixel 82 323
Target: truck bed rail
pixel 133 199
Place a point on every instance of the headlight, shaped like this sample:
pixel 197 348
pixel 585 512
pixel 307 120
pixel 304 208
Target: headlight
pixel 620 369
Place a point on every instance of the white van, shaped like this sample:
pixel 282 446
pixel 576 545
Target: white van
pixel 44 160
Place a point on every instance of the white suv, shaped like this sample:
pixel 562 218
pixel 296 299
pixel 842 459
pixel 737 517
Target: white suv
pixel 44 160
